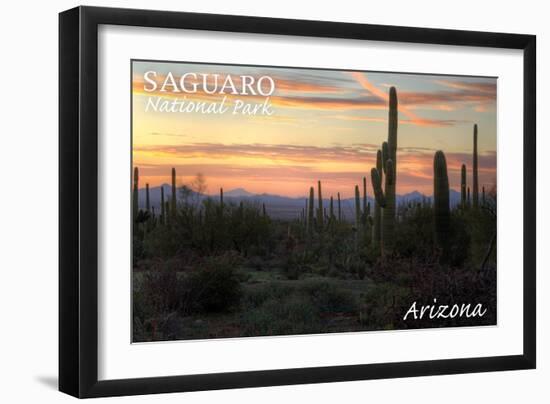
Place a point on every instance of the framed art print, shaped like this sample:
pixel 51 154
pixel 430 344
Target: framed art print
pixel 249 202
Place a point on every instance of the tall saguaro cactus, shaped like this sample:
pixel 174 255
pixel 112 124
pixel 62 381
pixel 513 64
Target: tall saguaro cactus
pixel 388 218
pixel 311 209
pixel 305 210
pixel 365 196
pixel 135 194
pixel 220 212
pixel 377 232
pixel 162 208
pixel 167 212
pixel 320 212
pixel 463 186
pixel 331 209
pixel 475 179
pixel 392 126
pixel 147 200
pixel 385 198
pixel 442 210
pixel 357 208
pixel 173 206
pixel 357 216
pixel 339 208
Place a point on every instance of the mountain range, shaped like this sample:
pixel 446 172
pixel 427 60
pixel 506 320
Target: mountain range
pixel 282 207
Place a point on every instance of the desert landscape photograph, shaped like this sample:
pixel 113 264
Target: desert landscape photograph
pixel 273 201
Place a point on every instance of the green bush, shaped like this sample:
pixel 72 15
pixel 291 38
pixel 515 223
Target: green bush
pixel 215 287
pixel 258 295
pixel 293 315
pixel 328 298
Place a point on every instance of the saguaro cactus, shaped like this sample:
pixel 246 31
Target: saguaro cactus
pixel 357 208
pixel 463 186
pixel 331 208
pixel 377 207
pixel 386 197
pixel 167 211
pixel 357 216
pixel 365 196
pixel 162 208
pixel 475 180
pixel 135 194
pixel 311 207
pixel 442 211
pixel 147 200
pixel 339 208
pixel 483 196
pixel 173 206
pixel 392 126
pixel 320 212
pixel 388 218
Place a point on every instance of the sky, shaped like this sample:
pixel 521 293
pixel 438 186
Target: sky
pixel 325 125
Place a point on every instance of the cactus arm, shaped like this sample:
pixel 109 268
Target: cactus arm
pixel 385 155
pixel 377 188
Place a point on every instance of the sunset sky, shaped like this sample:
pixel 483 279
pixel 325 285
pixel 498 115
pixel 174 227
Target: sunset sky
pixel 327 125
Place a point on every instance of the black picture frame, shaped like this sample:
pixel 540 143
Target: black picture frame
pixel 78 200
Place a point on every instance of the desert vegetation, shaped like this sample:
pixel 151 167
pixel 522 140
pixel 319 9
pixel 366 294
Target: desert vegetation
pixel 208 267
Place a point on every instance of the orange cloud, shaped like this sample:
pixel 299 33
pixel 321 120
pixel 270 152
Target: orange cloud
pixel 413 118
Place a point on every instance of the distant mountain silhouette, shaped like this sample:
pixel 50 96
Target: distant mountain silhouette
pixel 238 192
pixel 282 207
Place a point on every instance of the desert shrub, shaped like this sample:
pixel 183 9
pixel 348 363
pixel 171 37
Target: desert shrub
pixel 161 328
pixel 414 231
pixel 459 249
pixel 349 265
pixel 293 315
pixel 138 250
pixel 215 286
pixel 329 298
pixel 256 262
pixel 162 241
pixel 212 285
pixel 481 226
pixel 258 295
pixel 296 264
pixel 277 308
pixel 159 292
pixel 383 304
